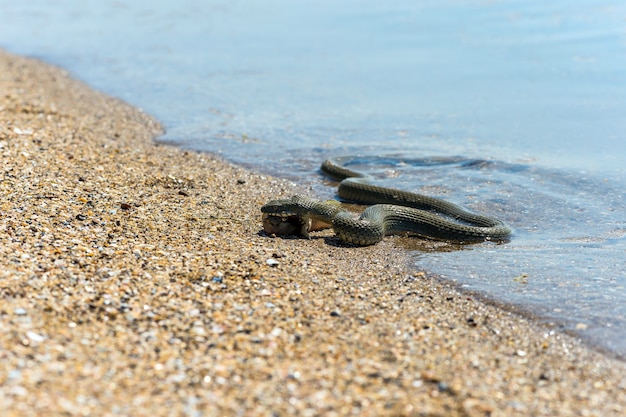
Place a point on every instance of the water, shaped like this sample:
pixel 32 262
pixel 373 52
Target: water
pixel 535 91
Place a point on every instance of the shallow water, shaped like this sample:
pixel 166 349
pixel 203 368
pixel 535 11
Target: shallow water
pixel 535 91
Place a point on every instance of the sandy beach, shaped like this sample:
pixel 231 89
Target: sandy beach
pixel 137 280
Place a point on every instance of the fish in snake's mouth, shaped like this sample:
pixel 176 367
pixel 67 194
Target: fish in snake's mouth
pixel 286 224
pixel 282 224
pixel 284 217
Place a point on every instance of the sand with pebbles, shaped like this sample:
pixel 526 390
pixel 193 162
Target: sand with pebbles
pixel 136 281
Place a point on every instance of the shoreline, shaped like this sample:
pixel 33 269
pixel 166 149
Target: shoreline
pixel 136 281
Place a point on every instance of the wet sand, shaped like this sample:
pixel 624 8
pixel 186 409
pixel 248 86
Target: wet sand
pixel 136 281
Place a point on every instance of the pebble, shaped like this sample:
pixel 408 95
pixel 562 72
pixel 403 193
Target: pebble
pixel 272 262
pixel 35 337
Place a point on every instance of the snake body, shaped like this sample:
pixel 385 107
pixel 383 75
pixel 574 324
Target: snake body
pixel 394 212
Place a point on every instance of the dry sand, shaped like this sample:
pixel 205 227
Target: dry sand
pixel 136 281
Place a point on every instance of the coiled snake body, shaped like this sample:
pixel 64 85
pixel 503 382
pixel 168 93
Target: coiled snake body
pixel 394 212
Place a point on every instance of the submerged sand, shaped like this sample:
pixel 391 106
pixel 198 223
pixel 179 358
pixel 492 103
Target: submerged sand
pixel 136 281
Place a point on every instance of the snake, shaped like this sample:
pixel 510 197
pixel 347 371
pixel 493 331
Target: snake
pixel 394 212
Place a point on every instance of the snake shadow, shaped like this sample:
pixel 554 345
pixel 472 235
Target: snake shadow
pixel 329 240
pixel 411 243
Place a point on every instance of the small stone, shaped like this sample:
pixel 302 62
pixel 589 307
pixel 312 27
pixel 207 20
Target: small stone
pixel 198 331
pixel 20 311
pixel 217 279
pixel 14 375
pixel 35 337
pixel 272 262
pixel 23 131
pixel 81 217
pixel 125 206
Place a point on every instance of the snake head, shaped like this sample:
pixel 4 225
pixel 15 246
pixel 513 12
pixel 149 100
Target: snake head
pixel 281 217
pixel 281 207
pixel 290 217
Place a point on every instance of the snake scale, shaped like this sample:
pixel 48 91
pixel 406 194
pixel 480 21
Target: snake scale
pixel 394 212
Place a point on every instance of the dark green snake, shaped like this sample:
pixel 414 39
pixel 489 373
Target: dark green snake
pixel 394 212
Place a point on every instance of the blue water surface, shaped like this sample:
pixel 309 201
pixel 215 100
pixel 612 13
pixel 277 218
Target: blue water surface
pixel 533 94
